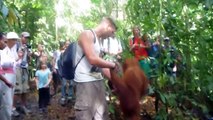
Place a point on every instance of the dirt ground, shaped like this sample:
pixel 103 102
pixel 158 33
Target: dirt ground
pixel 55 110
pixel 58 112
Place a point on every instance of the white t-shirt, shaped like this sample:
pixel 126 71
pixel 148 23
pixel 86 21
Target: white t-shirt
pixel 56 56
pixel 9 57
pixel 111 45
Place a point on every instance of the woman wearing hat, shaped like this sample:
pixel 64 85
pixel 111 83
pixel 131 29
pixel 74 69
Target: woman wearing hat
pixel 8 61
pixel 3 80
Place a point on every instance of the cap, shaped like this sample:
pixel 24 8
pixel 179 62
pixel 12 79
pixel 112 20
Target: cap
pixel 12 35
pixel 25 34
pixel 166 39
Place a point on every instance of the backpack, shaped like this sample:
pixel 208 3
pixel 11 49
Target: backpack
pixel 66 62
pixel 154 51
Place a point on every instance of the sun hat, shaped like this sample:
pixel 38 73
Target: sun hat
pixel 25 34
pixel 12 35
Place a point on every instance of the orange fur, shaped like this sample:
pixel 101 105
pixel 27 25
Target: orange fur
pixel 130 88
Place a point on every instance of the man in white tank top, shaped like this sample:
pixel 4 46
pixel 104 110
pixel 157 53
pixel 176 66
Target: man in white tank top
pixel 90 90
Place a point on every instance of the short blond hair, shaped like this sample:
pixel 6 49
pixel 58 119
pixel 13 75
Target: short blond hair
pixel 136 27
pixel 110 21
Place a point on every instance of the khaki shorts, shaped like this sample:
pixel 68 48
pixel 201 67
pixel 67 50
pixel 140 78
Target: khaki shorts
pixel 90 101
pixel 22 81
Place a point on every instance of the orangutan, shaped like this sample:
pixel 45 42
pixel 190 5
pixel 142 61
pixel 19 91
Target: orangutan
pixel 130 88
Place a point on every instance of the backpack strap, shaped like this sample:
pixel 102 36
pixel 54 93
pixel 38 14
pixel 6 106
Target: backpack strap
pixel 93 35
pixel 84 54
pixel 79 61
pixel 108 44
pixel 18 45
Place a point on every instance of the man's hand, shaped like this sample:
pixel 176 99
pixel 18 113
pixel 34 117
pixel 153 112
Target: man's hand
pixel 117 67
pixel 142 46
pixel 135 45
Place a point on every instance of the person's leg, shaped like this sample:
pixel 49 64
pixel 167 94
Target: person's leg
pixel 24 90
pixel 25 86
pixel 63 87
pixel 89 101
pixel 17 92
pixel 83 102
pixel 46 99
pixel 70 90
pixel 54 83
pixel 46 96
pixel 7 98
pixel 16 98
pixel 1 98
pixel 24 103
pixel 63 91
pixel 40 95
pixel 101 103
pixel 5 102
pixel 23 99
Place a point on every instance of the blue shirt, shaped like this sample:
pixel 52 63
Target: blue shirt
pixel 43 76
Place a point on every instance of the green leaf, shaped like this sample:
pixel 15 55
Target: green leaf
pixel 97 2
pixel 111 108
pixel 162 97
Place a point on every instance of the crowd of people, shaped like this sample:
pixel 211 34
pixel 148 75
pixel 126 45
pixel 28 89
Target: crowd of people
pixel 153 54
pixel 14 69
pixel 100 49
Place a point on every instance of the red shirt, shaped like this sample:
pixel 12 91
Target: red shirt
pixel 139 52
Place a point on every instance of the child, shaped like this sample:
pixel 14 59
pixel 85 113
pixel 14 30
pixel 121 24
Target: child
pixel 43 78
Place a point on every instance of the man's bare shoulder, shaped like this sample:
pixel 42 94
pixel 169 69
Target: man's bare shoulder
pixel 86 35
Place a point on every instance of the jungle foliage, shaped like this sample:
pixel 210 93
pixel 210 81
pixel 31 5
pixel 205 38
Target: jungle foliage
pixel 188 23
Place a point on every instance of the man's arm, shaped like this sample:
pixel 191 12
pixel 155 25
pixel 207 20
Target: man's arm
pixel 106 73
pixel 6 81
pixel 86 41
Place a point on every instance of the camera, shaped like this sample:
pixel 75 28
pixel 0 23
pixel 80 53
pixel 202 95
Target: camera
pixel 95 69
pixel 29 46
